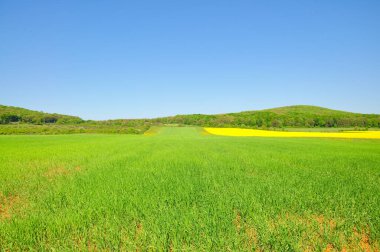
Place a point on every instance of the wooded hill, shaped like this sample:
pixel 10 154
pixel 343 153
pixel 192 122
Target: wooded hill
pixel 290 116
pixel 9 114
pixel 16 120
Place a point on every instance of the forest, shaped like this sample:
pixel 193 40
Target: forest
pixel 15 120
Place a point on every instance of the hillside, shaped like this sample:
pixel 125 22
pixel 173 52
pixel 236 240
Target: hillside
pixel 289 116
pixel 9 114
pixel 17 120
pixel 306 109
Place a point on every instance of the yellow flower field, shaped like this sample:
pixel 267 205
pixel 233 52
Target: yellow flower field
pixel 269 133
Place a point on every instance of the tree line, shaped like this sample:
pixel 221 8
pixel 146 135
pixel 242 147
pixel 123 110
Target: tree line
pixel 292 116
pixel 273 120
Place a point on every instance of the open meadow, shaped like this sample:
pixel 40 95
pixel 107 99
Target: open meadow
pixel 182 189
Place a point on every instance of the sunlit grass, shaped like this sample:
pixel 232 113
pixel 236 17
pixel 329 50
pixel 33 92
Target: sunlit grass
pixel 184 190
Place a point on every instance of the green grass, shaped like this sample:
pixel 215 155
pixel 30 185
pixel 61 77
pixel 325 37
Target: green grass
pixel 180 189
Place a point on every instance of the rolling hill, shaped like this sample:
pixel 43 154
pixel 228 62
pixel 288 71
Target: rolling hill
pixel 16 120
pixel 10 114
pixel 289 116
pixel 299 116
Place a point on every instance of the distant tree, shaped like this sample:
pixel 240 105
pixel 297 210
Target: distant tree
pixel 49 119
pixel 276 123
pixel 8 118
pixel 309 122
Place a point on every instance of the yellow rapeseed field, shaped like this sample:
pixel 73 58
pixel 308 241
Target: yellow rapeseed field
pixel 269 133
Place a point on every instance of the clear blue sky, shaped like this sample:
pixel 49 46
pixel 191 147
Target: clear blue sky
pixel 132 59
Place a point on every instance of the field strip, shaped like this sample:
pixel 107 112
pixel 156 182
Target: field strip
pixel 269 133
pixel 152 131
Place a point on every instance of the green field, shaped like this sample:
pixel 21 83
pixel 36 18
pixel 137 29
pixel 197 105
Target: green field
pixel 181 189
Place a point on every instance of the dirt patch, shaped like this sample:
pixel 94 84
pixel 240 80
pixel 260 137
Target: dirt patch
pixel 91 246
pixel 8 205
pixel 329 248
pixel 247 231
pixel 362 238
pixel 252 234
pixel 55 172
pixel 139 229
pixel 237 221
pixel 60 171
pixel 316 230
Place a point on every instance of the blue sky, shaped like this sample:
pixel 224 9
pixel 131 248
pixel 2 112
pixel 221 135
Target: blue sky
pixel 134 59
